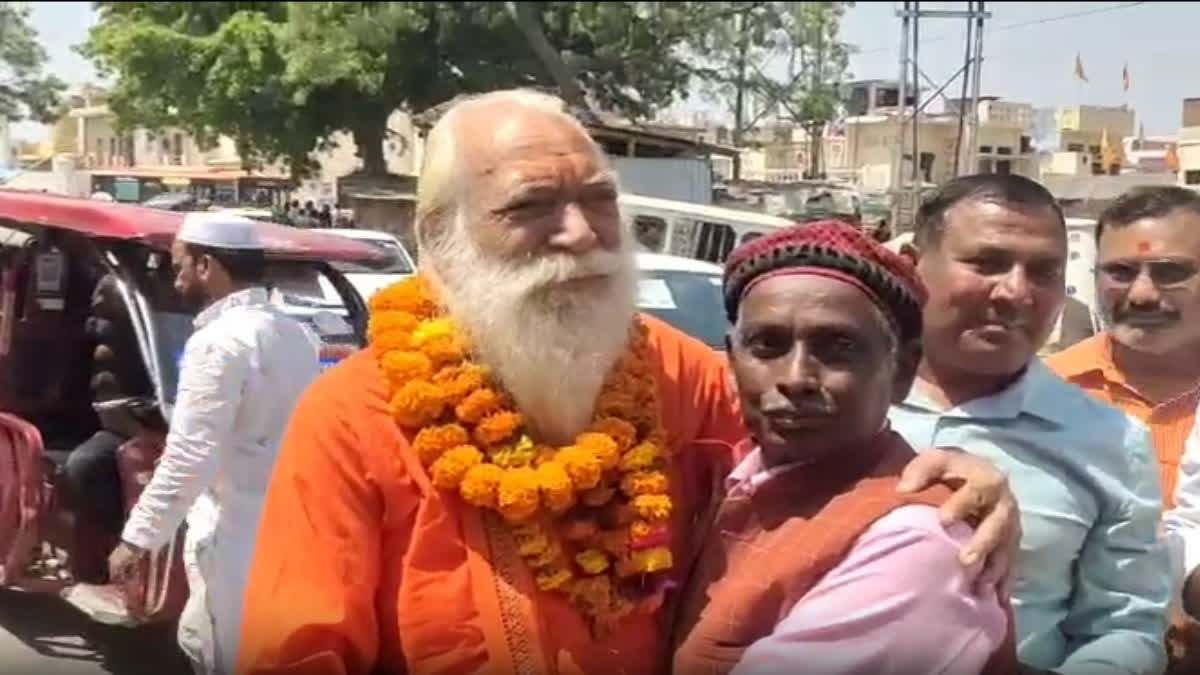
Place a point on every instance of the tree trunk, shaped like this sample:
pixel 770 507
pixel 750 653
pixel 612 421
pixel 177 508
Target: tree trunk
pixel 368 136
pixel 526 17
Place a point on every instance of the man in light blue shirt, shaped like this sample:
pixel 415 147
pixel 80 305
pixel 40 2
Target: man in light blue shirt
pixel 1092 586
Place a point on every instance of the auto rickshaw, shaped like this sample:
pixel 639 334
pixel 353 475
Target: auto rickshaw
pixel 51 251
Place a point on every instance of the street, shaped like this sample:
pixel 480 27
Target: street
pixel 41 634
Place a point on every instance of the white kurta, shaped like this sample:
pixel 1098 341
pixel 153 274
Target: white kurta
pixel 240 377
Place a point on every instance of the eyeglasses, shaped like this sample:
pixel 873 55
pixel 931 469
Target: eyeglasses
pixel 1162 273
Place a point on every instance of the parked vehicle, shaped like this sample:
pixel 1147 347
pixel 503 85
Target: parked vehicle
pixel 685 293
pixel 369 279
pixel 692 230
pixel 52 251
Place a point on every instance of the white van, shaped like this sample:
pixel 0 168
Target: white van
pixel 693 230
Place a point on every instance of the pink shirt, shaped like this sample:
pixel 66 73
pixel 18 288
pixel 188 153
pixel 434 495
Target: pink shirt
pixel 899 603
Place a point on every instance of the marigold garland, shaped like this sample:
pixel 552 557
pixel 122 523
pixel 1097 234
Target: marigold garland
pixel 591 519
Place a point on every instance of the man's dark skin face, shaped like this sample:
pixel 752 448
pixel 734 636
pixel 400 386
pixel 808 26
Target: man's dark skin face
pixel 815 367
pixel 1149 287
pixel 199 279
pixel 996 286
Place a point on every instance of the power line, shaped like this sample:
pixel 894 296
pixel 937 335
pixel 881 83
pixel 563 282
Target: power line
pixel 1021 24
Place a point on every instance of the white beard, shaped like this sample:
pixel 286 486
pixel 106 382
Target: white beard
pixel 550 347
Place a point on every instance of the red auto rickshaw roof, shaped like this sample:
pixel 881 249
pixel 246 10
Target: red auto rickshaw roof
pixel 109 220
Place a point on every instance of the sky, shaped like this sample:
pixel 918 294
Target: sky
pixel 1029 52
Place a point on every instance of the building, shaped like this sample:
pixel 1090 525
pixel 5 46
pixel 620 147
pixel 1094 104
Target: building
pixel 1004 144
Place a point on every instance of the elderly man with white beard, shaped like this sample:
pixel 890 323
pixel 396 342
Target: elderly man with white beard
pixel 506 480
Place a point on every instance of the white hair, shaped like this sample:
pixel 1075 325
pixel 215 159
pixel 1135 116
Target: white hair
pixel 439 188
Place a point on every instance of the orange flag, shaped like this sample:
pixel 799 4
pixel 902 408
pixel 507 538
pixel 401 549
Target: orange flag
pixel 1079 68
pixel 1172 158
pixel 1125 77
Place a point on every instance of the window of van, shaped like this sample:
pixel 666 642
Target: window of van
pixel 715 242
pixel 650 232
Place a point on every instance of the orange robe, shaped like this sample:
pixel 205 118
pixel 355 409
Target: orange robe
pixel 363 566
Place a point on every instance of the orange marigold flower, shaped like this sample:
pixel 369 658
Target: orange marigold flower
pixel 411 295
pixel 499 427
pixel 641 457
pixel 448 471
pixel 479 486
pixel 445 349
pixel 582 466
pixel 592 561
pixel 603 446
pixel 543 454
pixel 390 330
pixel 624 433
pixel 644 483
pixel 400 367
pixel 416 404
pixel 652 507
pixel 479 404
pixel 460 381
pixel 640 529
pixel 598 496
pixel 556 487
pixel 517 497
pixel 431 442
pixel 552 578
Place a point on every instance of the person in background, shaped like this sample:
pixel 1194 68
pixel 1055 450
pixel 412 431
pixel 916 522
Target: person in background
pixel 441 501
pixel 242 370
pixel 813 562
pixel 1074 325
pixel 1148 287
pixel 1093 582
pixel 326 216
pixel 90 476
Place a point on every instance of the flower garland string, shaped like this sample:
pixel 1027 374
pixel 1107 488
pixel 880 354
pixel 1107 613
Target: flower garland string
pixel 591 519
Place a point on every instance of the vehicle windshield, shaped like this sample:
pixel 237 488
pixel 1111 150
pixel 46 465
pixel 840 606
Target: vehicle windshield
pixel 689 301
pixel 395 261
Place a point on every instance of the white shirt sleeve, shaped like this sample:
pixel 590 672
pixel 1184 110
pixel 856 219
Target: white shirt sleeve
pixel 1182 522
pixel 212 377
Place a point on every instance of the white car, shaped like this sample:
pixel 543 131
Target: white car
pixel 685 293
pixel 369 280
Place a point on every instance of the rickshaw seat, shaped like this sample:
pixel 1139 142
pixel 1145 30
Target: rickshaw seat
pixel 22 494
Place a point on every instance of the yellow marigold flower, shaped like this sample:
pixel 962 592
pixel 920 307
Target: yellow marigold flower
pixel 517 497
pixel 624 433
pixel 411 295
pixel 480 403
pixel 448 471
pixel 552 578
pixel 558 492
pixel 532 542
pixel 516 455
pixel 598 496
pixel 641 457
pixel 432 329
pixel 400 367
pixel 653 560
pixel 652 507
pixel 592 561
pixel 445 349
pixel 479 487
pixel 640 529
pixel 417 404
pixel 603 446
pixel 552 555
pixel 431 442
pixel 644 483
pixel 582 466
pixel 499 427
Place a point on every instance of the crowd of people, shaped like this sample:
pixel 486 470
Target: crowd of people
pixel 522 474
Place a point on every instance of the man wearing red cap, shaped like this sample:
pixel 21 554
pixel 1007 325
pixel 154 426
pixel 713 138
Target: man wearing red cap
pixel 813 561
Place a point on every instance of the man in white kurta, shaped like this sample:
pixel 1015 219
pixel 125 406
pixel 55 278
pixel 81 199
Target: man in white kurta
pixel 241 373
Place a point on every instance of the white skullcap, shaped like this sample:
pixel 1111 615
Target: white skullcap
pixel 219 230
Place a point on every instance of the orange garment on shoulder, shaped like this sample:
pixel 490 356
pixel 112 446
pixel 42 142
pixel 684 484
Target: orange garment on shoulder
pixel 1090 366
pixel 363 566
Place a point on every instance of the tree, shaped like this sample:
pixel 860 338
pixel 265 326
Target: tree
pixel 280 77
pixel 818 64
pixel 25 92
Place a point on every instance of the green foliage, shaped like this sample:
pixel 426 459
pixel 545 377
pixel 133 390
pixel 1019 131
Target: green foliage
pixel 24 90
pixel 279 77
